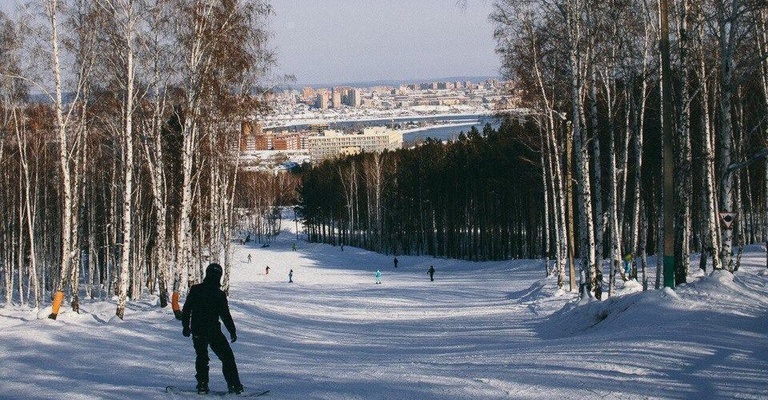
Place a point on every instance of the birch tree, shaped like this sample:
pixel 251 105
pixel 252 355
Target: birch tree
pixel 64 121
pixel 159 76
pixel 210 64
pixel 682 145
pixel 590 269
pixel 727 14
pixel 707 140
pixel 122 18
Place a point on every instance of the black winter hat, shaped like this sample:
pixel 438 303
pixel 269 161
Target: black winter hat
pixel 214 269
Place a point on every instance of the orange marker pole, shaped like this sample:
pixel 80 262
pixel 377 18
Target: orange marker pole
pixel 175 305
pixel 57 299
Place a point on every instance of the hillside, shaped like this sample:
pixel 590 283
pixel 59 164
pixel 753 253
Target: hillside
pixel 494 330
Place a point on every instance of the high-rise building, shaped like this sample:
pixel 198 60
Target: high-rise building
pixel 355 98
pixel 322 100
pixel 336 96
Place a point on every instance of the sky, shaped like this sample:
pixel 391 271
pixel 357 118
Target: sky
pixel 342 41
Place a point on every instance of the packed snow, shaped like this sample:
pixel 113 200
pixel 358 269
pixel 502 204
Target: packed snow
pixel 481 330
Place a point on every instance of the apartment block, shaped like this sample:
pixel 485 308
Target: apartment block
pixel 355 98
pixel 336 98
pixel 332 143
pixel 322 101
pixel 287 142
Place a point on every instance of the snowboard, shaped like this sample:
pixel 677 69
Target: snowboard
pixel 246 393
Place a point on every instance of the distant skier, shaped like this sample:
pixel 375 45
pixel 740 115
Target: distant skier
pixel 395 262
pixel 378 277
pixel 249 258
pixel 290 276
pixel 628 265
pixel 431 273
pixel 267 270
pixel 293 246
pixel 206 303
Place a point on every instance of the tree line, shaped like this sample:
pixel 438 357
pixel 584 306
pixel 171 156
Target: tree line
pixel 118 120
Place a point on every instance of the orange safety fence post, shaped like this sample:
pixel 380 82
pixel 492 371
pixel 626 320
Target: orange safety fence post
pixel 57 299
pixel 175 305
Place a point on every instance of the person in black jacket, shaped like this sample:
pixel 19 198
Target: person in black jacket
pixel 205 304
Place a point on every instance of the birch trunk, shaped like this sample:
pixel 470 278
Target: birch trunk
pixel 597 171
pixel 762 46
pixel 613 214
pixel 197 60
pixel 229 211
pixel 153 153
pixel 728 27
pixel 52 13
pixel 129 24
pixel 640 221
pixel 591 276
pixel 708 193
pixel 683 169
pixel 29 208
pixel 556 182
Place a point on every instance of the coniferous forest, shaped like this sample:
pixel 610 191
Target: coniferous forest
pixel 477 198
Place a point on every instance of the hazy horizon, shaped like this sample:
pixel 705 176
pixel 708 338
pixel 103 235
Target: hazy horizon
pixel 391 82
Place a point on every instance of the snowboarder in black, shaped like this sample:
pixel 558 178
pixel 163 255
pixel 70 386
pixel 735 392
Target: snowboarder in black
pixel 431 273
pixel 205 304
pixel 395 262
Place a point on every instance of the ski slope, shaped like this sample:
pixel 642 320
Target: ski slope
pixel 491 330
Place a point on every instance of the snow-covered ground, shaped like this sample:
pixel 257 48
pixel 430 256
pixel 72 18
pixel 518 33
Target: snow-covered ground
pixel 492 330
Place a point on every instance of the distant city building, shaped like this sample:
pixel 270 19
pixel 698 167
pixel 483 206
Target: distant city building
pixel 336 98
pixel 262 142
pixel 355 98
pixel 322 101
pixel 310 106
pixel 308 95
pixel 287 142
pixel 333 143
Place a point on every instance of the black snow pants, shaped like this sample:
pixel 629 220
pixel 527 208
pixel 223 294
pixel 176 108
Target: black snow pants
pixel 221 348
